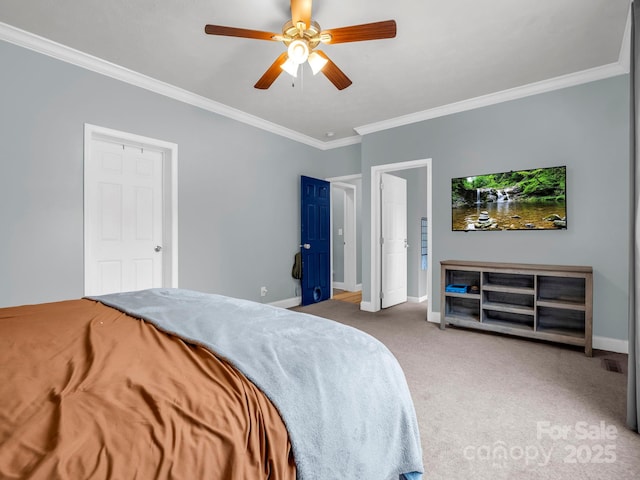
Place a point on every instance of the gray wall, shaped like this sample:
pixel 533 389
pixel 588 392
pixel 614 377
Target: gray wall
pixel 239 215
pixel 585 128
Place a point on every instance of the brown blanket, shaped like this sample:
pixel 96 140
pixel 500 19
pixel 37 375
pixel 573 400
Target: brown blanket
pixel 89 392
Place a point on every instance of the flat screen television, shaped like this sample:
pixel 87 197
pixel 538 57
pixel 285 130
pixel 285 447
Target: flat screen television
pixel 532 199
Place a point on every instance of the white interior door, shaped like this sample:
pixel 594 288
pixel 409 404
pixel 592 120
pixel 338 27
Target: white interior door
pixel 124 215
pixel 394 240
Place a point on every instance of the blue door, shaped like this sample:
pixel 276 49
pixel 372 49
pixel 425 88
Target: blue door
pixel 314 240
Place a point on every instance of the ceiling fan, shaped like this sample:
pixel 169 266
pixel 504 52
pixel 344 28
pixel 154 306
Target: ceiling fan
pixel 302 35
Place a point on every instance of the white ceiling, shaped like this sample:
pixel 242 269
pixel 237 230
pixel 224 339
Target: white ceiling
pixel 446 51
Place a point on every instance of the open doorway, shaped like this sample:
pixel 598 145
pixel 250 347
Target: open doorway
pixel 346 233
pixel 376 264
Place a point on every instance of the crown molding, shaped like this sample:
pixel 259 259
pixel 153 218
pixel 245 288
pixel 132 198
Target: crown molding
pixel 341 142
pixel 624 59
pixel 70 55
pixel 564 81
pixel 66 54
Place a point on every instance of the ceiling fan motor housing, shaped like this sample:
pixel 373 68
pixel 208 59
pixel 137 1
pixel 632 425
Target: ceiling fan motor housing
pixel 310 36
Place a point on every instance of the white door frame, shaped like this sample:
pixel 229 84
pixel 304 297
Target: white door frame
pixel 169 196
pixel 375 278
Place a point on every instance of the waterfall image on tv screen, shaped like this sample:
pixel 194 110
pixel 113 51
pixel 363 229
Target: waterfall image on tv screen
pixel 532 199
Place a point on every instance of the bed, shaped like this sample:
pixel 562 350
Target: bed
pixel 172 383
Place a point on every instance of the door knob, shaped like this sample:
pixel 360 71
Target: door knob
pixel 306 246
pixel 158 248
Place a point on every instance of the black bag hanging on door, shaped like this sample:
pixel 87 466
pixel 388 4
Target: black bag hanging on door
pixel 296 271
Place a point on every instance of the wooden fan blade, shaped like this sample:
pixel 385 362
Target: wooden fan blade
pixel 301 11
pixel 238 32
pixel 272 72
pixel 333 73
pixel 367 31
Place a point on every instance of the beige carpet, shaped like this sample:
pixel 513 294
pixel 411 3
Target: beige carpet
pixel 496 407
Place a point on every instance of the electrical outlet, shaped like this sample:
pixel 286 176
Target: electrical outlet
pixel 263 291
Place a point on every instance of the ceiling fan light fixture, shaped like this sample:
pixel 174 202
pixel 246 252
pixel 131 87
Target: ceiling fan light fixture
pixel 316 62
pixel 290 67
pixel 298 51
pixel 301 36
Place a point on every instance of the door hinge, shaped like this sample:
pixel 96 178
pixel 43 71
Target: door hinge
pixel 381 185
pixel 381 295
pixel 381 240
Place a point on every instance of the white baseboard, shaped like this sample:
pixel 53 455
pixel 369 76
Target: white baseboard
pixel 417 299
pixel 433 317
pixel 343 286
pixel 610 344
pixel 368 306
pixel 287 302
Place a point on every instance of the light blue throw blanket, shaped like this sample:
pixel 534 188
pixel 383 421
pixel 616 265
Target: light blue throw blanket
pixel 341 394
